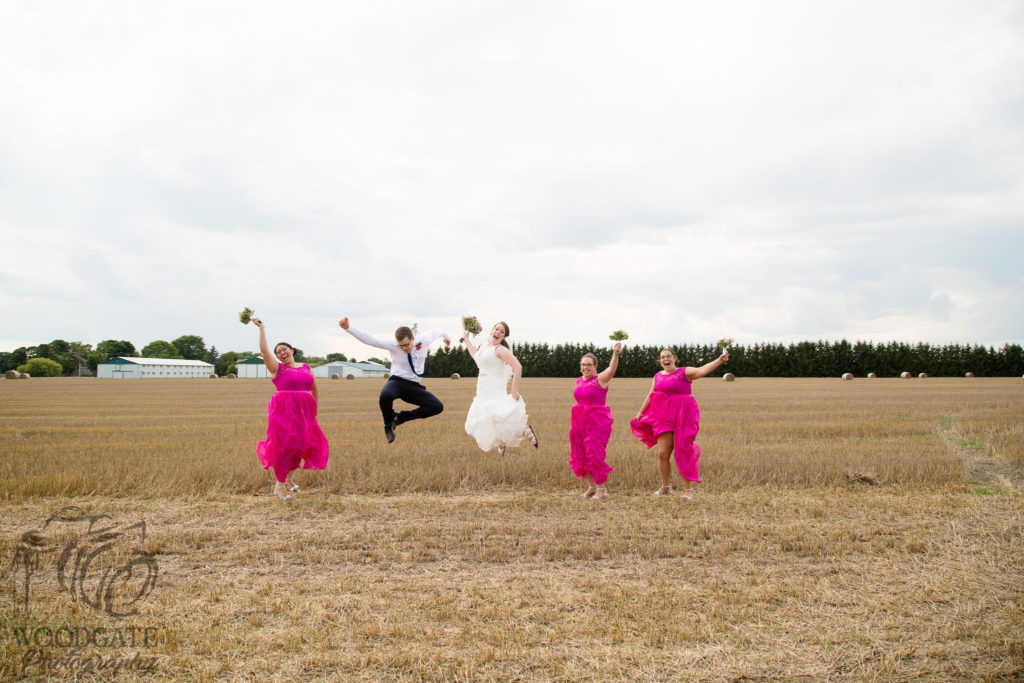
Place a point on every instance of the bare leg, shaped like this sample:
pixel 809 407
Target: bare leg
pixel 666 443
pixel 592 487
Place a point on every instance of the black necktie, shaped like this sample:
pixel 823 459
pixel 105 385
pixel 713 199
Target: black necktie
pixel 413 367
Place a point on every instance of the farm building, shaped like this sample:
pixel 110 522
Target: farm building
pixel 252 368
pixel 124 367
pixel 344 369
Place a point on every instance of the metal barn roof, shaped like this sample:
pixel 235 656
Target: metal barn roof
pixel 125 360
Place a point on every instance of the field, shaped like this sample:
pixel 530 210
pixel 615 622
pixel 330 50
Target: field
pixel 865 530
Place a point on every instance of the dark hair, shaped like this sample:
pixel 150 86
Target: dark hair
pixel 403 332
pixel 284 344
pixel 505 325
pixel 591 357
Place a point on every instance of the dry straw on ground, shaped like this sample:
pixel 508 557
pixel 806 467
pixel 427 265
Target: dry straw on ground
pixel 845 531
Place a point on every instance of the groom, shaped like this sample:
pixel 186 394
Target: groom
pixel 407 354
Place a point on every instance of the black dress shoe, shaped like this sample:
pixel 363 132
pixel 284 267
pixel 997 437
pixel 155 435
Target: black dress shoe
pixel 389 429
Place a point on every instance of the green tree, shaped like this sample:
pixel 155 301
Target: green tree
pixel 160 349
pixel 332 357
pixel 227 362
pixel 12 359
pixel 110 348
pixel 190 346
pixel 379 361
pixel 79 352
pixel 40 351
pixel 42 367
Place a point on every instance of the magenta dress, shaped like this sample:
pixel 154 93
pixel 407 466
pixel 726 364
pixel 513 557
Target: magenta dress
pixel 672 409
pixel 294 438
pixel 589 431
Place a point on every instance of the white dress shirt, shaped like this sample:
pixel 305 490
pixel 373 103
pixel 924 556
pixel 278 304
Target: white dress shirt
pixel 399 360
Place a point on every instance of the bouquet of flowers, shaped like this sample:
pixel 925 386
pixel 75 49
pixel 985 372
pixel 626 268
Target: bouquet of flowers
pixel 245 316
pixel 618 335
pixel 724 342
pixel 471 324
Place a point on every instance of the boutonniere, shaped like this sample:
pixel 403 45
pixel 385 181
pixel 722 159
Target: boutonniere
pixel 419 345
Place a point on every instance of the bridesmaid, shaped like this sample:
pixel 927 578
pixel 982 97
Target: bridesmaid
pixel 591 424
pixel 670 418
pixel 294 438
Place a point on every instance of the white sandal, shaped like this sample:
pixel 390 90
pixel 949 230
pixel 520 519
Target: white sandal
pixel 663 491
pixel 281 491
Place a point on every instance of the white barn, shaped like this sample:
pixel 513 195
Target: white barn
pixel 252 368
pixel 124 367
pixel 344 369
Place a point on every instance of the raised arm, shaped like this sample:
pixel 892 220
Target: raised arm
pixel 517 369
pixel 268 356
pixel 367 339
pixel 429 336
pixel 469 344
pixel 605 376
pixel 707 368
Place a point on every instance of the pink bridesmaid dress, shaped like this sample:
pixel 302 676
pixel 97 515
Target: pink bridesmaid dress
pixel 294 438
pixel 672 409
pixel 589 431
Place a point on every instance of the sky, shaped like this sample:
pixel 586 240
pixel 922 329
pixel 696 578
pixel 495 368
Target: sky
pixel 770 172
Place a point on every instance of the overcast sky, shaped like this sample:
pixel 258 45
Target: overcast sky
pixel 681 170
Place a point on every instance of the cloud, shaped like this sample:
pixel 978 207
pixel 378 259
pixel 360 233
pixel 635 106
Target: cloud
pixel 759 171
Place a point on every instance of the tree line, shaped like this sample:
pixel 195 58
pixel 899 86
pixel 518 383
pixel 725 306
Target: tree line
pixel 798 359
pixel 72 359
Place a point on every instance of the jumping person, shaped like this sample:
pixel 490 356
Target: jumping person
pixel 408 355
pixel 294 438
pixel 590 425
pixel 670 419
pixel 497 418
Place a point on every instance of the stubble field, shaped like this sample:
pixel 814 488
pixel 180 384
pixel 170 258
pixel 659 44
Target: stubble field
pixel 844 531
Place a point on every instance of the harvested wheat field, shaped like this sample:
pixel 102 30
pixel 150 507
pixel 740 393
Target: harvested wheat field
pixel 864 530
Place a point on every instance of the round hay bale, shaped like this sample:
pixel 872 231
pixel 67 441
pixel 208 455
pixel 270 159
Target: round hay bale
pixel 232 375
pixel 872 375
pixel 11 374
pixel 847 375
pixel 24 375
pixel 729 377
pixel 456 375
pixel 213 375
pixel 335 376
pixel 905 375
pixel 923 375
pixel 350 376
pixel 969 374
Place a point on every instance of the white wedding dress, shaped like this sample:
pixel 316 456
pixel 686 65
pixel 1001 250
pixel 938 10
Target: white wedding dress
pixel 494 416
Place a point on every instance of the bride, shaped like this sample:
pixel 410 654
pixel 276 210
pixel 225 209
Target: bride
pixel 496 417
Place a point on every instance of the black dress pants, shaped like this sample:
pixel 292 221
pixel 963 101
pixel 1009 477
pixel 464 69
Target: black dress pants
pixel 410 392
